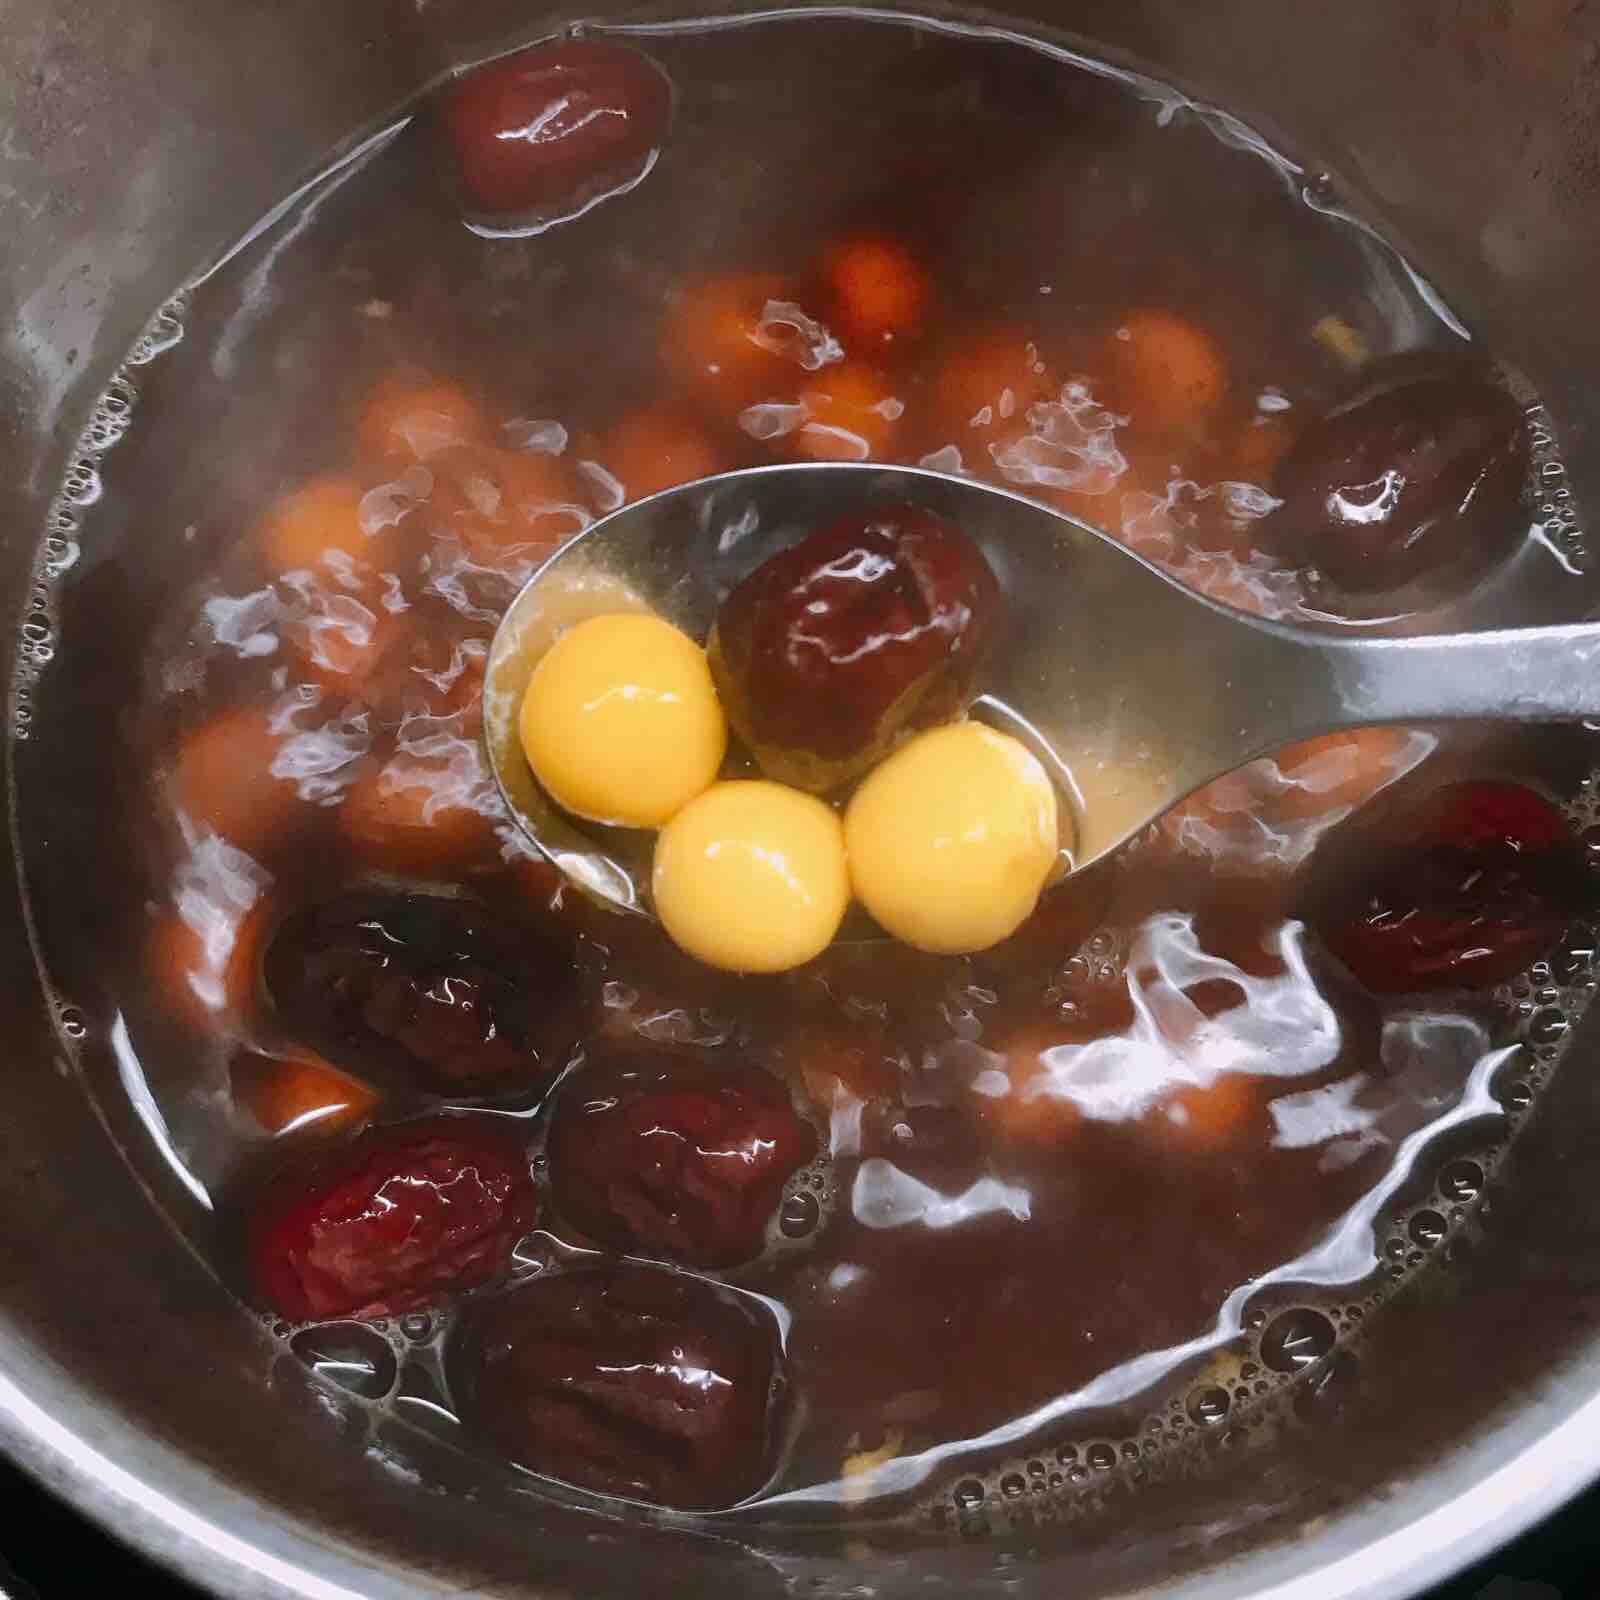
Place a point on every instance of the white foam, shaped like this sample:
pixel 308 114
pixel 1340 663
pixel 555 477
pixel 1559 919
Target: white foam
pixel 1071 445
pixel 1256 584
pixel 541 435
pixel 394 595
pixel 844 1121
pixel 343 566
pixel 213 889
pixel 787 331
pixel 1427 1056
pixel 436 755
pixel 479 589
pixel 609 490
pixel 883 1196
pixel 465 650
pixel 1283 1028
pixel 1246 502
pixel 326 617
pixel 845 445
pixel 320 761
pixel 384 506
pixel 244 623
pixel 1319 1115
pixel 772 419
pixel 1264 816
pixel 947 458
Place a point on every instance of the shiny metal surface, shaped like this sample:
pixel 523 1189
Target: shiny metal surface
pixel 139 136
pixel 1135 689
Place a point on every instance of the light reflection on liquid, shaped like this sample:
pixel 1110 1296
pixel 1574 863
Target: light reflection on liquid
pixel 130 1072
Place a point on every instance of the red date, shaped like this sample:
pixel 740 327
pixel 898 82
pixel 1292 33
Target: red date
pixel 833 650
pixel 1419 475
pixel 428 988
pixel 397 1220
pixel 543 132
pixel 1482 883
pixel 628 1381
pixel 666 1154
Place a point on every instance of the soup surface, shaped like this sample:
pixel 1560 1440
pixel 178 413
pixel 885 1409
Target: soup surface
pixel 927 1234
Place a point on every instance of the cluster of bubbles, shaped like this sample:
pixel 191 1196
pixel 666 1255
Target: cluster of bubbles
pixel 373 1374
pixel 80 488
pixel 1296 1365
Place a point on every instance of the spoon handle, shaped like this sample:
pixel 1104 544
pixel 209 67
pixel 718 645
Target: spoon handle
pixel 1516 674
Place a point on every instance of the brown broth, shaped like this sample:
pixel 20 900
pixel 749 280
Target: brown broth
pixel 985 1267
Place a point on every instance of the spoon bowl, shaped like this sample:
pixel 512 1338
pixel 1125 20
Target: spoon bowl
pixel 1132 688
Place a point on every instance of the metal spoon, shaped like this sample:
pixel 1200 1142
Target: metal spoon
pixel 1134 689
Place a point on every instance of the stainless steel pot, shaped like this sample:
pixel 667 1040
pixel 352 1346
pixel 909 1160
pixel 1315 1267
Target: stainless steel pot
pixel 136 137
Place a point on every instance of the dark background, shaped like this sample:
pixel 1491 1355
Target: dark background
pixel 51 1554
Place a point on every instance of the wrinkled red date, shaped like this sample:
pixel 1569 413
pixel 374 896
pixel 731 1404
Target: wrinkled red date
pixel 629 1381
pixel 869 629
pixel 427 985
pixel 662 1153
pixel 396 1220
pixel 1420 474
pixel 1482 882
pixel 547 129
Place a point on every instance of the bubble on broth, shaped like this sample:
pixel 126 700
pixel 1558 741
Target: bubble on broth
pixel 1461 1181
pixel 1293 1340
pixel 799 1215
pixel 164 330
pixel 1557 527
pixel 1208 1406
pixel 349 1355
